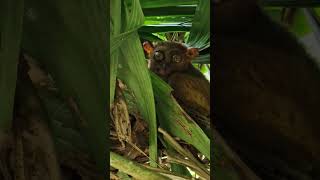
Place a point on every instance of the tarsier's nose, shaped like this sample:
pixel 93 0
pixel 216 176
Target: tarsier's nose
pixel 161 69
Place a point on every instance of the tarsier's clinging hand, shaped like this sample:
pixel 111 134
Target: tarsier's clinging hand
pixel 172 62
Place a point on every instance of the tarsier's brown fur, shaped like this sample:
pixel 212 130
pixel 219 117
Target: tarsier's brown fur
pixel 266 90
pixel 190 87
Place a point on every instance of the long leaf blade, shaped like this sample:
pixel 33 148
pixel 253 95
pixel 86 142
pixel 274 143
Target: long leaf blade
pixel 200 30
pixel 134 71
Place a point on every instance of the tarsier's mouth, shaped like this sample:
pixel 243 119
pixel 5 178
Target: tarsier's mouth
pixel 159 70
pixel 162 72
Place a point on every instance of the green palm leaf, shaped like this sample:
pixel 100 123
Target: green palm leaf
pixel 133 70
pixel 200 30
pixel 165 3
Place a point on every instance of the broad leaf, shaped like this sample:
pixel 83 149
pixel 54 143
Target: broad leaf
pixel 200 30
pixel 133 70
pixel 115 27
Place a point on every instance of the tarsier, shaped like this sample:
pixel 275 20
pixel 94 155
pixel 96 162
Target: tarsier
pixel 267 93
pixel 172 62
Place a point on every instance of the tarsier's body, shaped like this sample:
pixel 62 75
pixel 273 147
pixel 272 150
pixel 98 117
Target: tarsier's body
pixel 267 91
pixel 172 62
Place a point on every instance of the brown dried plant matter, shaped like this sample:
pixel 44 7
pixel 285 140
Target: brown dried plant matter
pixel 28 150
pixel 129 133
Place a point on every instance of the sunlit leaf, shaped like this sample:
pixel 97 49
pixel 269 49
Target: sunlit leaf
pixel 134 169
pixel 133 71
pixel 165 3
pixel 200 31
pixel 115 27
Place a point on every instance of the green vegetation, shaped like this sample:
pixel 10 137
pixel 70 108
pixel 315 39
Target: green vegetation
pixel 133 21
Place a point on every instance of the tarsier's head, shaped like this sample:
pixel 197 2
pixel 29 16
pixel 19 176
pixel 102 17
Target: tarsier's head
pixel 166 58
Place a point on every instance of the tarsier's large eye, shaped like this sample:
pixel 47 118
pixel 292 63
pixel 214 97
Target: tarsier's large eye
pixel 176 58
pixel 158 56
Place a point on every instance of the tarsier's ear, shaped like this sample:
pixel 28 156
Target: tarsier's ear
pixel 148 47
pixel 192 53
